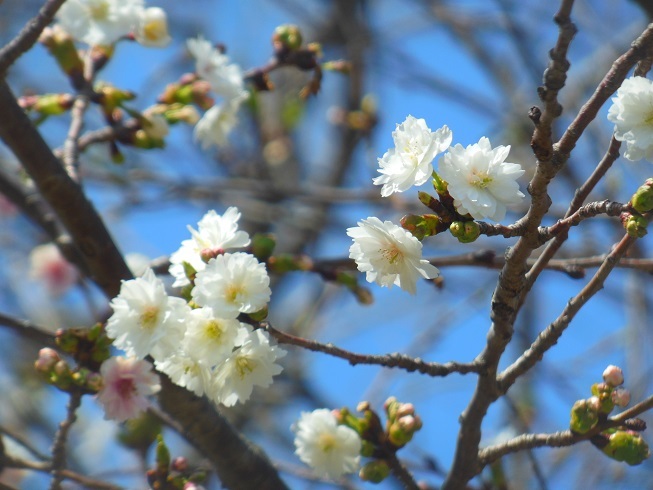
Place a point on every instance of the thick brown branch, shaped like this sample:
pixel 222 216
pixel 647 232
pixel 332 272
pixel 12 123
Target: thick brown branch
pixel 28 36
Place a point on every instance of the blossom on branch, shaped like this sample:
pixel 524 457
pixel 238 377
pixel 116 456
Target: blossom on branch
pixel 215 233
pixel 251 364
pixel 480 181
pixel 187 371
pixel 152 28
pixel 99 22
pixel 330 449
pixel 409 162
pixel 210 338
pixel 632 115
pixel 126 384
pixel 232 284
pixel 389 255
pixel 225 78
pixel 216 124
pixel 145 320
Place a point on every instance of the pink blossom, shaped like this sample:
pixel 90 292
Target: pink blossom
pixel 127 383
pixel 613 375
pixel 49 266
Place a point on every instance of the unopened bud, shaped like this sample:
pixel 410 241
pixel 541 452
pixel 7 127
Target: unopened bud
pixel 613 375
pixel 94 382
pixel 621 397
pixel 46 360
pixel 180 464
pixel 627 446
pixel 642 200
pixel 375 471
pixel 603 392
pixel 421 226
pixel 405 409
pixel 635 225
pixel 465 231
pixel 262 246
pixel 287 36
pixel 584 415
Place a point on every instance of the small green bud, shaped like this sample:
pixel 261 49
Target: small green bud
pixel 439 185
pixel 465 231
pixel 375 471
pixel 635 225
pixel 162 455
pixel 603 392
pixel 141 139
pixel 627 446
pixel 287 36
pixel 642 200
pixel 260 315
pixel 584 415
pixel 263 246
pixel 367 449
pixel 421 226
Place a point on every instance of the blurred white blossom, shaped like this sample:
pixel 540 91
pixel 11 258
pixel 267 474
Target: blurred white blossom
pixel 330 449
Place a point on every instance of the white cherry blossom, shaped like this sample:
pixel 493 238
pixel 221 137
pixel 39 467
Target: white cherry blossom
pixel 409 163
pixel 252 364
pixel 214 232
pixel 480 181
pixel 330 449
pixel 389 255
pixel 232 284
pixel 145 320
pixel 632 115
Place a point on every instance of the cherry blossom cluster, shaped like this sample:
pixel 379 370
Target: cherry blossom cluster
pixel 103 22
pixel 477 180
pixel 201 344
pixel 632 115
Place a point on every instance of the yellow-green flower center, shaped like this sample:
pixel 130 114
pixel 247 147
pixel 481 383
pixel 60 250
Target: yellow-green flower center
pixel 327 442
pixel 244 366
pixel 480 179
pixel 234 292
pixel 149 317
pixel 213 330
pixel 99 10
pixel 392 254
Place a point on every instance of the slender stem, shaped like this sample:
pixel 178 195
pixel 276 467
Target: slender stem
pixel 390 360
pixel 400 472
pixel 60 440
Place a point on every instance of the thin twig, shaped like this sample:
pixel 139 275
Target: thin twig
pixel 46 467
pixel 28 330
pixel 28 35
pixel 401 473
pixel 390 360
pixel 61 438
pixel 562 438
pixel 549 337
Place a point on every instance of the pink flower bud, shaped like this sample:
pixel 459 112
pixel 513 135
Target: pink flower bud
pixel 405 409
pixel 621 397
pixel 594 403
pixel 613 375
pixel 46 360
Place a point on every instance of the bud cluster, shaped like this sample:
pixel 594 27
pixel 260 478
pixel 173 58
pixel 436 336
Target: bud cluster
pixel 379 441
pixel 88 347
pixel 620 443
pixel 173 474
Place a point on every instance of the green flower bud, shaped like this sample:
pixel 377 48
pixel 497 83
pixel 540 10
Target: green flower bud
pixel 627 446
pixel 141 139
pixel 375 471
pixel 263 246
pixel 162 455
pixel 642 200
pixel 603 392
pixel 635 225
pixel 439 185
pixel 584 415
pixel 287 36
pixel 53 104
pixel 465 231
pixel 62 47
pixel 367 449
pixel 260 315
pixel 421 226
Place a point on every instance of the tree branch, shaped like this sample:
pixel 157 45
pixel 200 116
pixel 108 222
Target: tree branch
pixel 28 36
pixel 389 361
